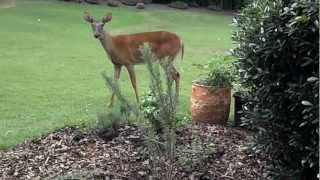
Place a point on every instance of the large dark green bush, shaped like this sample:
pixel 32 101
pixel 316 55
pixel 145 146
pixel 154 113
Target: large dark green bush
pixel 278 56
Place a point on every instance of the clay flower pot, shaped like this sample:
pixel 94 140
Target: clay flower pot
pixel 210 104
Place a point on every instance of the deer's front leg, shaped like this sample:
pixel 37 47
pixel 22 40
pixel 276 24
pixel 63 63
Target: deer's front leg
pixel 117 71
pixel 176 77
pixel 132 75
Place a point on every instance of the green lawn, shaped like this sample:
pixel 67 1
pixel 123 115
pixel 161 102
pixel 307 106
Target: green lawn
pixel 51 65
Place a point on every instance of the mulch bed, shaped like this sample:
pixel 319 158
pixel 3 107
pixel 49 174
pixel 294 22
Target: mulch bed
pixel 72 154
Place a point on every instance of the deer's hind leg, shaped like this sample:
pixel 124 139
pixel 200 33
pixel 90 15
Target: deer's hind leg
pixel 173 73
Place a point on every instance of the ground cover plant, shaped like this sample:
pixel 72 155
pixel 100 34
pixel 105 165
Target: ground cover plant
pixel 50 64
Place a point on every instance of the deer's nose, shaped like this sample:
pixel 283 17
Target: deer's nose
pixel 96 35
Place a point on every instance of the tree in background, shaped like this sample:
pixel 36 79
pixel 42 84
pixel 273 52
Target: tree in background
pixel 278 56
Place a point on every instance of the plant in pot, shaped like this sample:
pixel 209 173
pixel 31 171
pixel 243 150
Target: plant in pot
pixel 211 94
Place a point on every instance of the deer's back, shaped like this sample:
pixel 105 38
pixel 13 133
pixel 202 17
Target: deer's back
pixel 163 44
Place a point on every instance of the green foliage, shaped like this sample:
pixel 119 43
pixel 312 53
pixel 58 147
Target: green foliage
pixel 150 109
pixel 217 74
pixel 278 58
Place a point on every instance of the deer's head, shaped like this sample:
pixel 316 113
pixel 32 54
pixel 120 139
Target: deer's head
pixel 97 25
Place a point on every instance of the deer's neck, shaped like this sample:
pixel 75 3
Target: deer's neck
pixel 107 43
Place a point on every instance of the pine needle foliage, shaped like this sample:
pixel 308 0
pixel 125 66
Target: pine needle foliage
pixel 162 147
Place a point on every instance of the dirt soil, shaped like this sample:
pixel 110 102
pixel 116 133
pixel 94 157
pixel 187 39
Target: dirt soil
pixel 203 152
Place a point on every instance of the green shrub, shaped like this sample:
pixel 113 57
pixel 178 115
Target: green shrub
pixel 109 120
pixel 162 147
pixel 161 89
pixel 278 56
pixel 108 123
pixel 150 108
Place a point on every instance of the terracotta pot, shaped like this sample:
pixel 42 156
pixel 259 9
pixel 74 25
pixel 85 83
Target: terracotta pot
pixel 210 104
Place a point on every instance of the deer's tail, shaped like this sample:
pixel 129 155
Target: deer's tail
pixel 182 49
pixel 179 57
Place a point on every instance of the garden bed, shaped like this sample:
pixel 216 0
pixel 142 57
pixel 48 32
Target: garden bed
pixel 71 153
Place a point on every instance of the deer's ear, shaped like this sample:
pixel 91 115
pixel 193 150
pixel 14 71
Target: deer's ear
pixel 87 17
pixel 107 18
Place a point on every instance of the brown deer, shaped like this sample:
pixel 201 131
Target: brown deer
pixel 123 50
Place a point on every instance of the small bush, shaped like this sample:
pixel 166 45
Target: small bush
pixel 162 151
pixel 150 108
pixel 278 57
pixel 109 120
pixel 108 123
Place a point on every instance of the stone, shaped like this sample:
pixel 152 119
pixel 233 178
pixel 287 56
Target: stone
pixel 113 3
pixel 140 6
pixel 193 4
pixel 130 2
pixel 147 1
pixel 92 1
pixel 179 5
pixel 214 8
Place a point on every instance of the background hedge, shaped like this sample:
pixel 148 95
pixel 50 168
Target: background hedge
pixel 225 4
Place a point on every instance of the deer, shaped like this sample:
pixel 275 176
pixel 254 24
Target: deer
pixel 123 50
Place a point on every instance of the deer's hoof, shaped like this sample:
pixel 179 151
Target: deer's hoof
pixel 110 106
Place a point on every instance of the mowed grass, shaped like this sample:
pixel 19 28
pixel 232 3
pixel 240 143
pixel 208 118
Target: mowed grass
pixel 50 64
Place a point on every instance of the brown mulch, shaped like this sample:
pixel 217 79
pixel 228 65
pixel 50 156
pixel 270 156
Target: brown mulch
pixel 72 154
